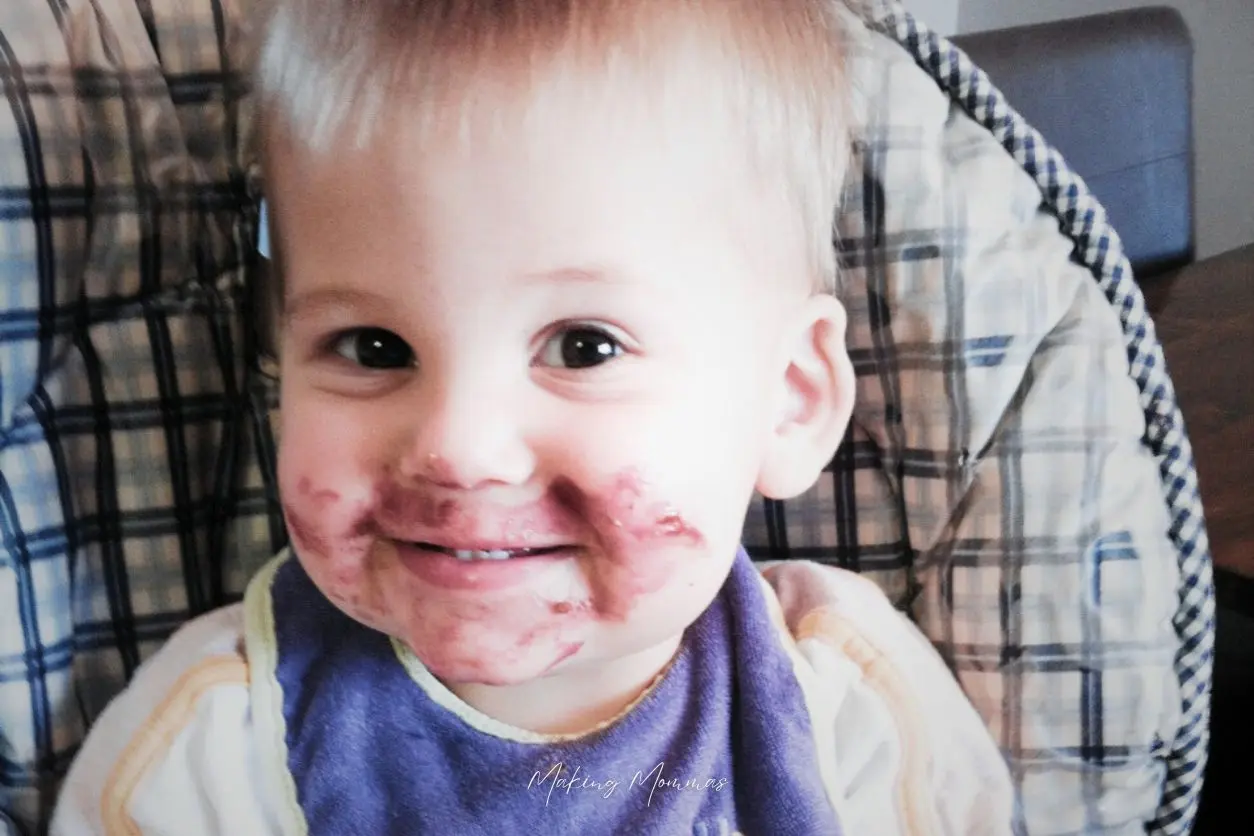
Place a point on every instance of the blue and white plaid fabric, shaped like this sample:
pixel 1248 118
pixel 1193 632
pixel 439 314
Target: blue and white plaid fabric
pixel 1098 248
pixel 132 494
pixel 135 450
pixel 1017 475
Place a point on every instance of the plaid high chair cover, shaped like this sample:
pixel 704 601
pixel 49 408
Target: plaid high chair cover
pixel 1017 476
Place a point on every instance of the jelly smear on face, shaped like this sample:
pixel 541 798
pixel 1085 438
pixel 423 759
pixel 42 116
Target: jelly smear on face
pixel 415 508
pixel 305 525
pixel 630 545
pixel 625 536
pixel 334 538
pixel 636 540
pixel 320 524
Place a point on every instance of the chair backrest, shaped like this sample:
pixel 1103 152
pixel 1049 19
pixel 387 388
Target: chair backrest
pixel 1113 93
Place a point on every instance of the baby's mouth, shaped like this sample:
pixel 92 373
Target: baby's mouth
pixel 470 555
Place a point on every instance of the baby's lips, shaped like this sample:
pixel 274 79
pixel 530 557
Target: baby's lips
pixel 461 541
pixel 502 551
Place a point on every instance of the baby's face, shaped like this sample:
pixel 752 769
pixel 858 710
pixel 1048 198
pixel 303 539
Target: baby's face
pixel 527 385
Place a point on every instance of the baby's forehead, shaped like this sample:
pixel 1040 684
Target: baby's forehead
pixel 595 188
pixel 763 77
pixel 583 156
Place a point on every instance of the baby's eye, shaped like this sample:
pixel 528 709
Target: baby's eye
pixel 374 348
pixel 579 347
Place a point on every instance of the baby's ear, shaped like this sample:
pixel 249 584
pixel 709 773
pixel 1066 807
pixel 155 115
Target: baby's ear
pixel 817 400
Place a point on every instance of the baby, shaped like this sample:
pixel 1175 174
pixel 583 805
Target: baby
pixel 557 300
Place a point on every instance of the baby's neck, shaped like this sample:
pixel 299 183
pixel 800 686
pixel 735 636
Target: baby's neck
pixel 571 702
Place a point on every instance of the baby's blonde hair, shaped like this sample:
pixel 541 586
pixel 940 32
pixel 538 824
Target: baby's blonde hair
pixel 331 70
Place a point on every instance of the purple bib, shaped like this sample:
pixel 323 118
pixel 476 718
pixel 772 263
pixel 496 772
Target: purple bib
pixel 722 745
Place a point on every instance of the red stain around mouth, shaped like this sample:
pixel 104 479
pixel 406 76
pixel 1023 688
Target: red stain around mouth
pixel 622 516
pixel 563 654
pixel 634 535
pixel 305 536
pixel 322 497
pixel 315 530
pixel 417 508
pixel 638 545
pixel 671 524
pixel 308 535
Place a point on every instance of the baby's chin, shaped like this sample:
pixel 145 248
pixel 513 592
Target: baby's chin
pixel 469 666
pixel 365 608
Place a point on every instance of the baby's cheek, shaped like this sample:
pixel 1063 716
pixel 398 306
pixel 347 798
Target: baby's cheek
pixel 345 584
pixel 647 544
pixel 331 539
pixel 308 534
pixel 325 526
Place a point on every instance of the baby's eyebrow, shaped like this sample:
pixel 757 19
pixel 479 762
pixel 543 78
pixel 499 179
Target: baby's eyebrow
pixel 322 301
pixel 575 275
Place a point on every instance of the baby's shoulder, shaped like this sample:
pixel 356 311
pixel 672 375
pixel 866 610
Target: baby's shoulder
pixel 805 589
pixel 183 721
pixel 205 653
pixel 837 618
pixel 902 742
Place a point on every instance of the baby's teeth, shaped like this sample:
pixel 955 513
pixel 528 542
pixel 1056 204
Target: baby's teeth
pixel 475 554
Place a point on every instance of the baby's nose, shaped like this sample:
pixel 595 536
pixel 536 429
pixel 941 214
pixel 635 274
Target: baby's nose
pixel 468 436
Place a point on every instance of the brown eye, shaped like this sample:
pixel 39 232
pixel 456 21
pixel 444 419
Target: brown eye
pixel 374 348
pixel 580 347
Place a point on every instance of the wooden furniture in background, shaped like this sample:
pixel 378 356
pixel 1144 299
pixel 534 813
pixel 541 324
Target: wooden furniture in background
pixel 1204 314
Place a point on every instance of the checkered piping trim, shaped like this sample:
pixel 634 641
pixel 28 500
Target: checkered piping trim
pixel 1098 246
